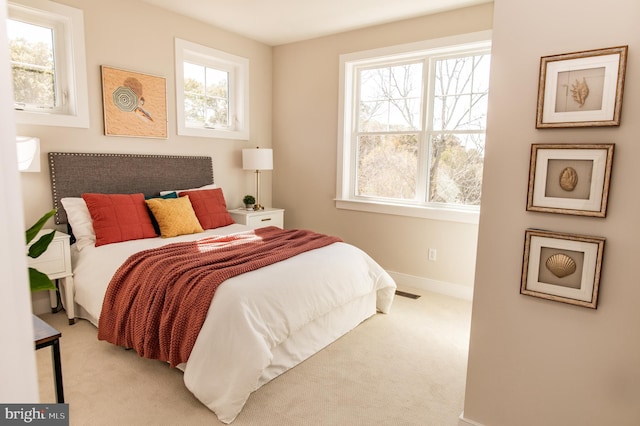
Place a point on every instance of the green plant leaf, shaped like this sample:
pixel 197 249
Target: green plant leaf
pixel 39 281
pixel 33 231
pixel 40 246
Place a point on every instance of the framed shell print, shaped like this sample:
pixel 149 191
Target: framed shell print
pixel 581 89
pixel 570 179
pixel 562 267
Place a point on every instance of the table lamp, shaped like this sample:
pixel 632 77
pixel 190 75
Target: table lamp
pixel 257 159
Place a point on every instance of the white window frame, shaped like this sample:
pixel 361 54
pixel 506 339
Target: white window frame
pixel 71 69
pixel 238 68
pixel 346 157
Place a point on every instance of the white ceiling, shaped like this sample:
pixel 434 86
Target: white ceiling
pixel 276 22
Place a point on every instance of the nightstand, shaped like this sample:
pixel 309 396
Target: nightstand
pixel 259 218
pixel 56 263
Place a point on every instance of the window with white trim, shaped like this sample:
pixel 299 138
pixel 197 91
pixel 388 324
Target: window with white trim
pixel 47 57
pixel 212 92
pixel 413 129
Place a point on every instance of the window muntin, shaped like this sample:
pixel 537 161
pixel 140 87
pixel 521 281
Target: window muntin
pixel 418 121
pixel 212 92
pixel 46 44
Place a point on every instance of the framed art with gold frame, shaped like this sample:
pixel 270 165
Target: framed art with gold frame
pixel 581 89
pixel 570 179
pixel 562 267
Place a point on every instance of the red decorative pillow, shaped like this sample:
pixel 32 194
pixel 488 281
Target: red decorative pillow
pixel 210 207
pixel 119 217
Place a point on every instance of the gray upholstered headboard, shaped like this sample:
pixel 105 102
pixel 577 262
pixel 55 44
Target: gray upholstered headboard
pixel 73 174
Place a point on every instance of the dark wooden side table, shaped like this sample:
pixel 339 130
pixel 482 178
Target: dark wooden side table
pixel 44 335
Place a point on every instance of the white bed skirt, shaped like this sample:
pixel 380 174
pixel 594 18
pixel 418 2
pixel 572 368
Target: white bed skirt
pixel 318 334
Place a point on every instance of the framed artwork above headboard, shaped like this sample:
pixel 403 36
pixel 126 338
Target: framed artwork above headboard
pixel 73 174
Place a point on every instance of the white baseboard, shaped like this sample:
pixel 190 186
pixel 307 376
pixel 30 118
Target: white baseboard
pixel 466 422
pixel 455 290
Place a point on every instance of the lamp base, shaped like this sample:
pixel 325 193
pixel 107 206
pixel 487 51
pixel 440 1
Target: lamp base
pixel 258 207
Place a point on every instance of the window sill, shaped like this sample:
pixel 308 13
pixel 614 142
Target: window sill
pixel 213 133
pixel 80 120
pixel 450 215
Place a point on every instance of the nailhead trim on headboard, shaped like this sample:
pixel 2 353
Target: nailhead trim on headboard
pixel 74 173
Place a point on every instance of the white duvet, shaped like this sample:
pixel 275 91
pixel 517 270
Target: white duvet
pixel 260 323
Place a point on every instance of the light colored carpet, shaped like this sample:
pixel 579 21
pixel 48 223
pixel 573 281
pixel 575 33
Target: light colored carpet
pixel 404 368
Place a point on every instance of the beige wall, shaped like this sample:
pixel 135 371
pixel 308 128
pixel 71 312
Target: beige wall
pixel 135 36
pixel 535 362
pixel 305 117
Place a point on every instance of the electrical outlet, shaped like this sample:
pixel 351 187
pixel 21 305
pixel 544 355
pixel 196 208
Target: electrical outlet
pixel 433 254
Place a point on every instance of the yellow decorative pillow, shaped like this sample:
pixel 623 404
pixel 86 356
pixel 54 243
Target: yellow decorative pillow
pixel 175 216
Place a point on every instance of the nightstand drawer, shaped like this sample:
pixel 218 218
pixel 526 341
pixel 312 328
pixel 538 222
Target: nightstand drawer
pixel 56 261
pixel 259 218
pixel 268 219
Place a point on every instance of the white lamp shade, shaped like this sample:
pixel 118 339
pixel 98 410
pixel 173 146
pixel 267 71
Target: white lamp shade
pixel 28 149
pixel 257 159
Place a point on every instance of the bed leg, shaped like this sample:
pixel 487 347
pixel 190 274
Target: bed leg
pixel 68 293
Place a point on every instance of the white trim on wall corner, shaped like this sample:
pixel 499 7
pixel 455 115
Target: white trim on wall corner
pixel 466 422
pixel 449 289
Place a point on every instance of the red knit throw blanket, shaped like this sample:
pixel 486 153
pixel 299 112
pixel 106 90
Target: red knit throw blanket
pixel 158 299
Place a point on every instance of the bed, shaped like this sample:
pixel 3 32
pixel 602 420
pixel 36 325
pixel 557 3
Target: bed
pixel 260 322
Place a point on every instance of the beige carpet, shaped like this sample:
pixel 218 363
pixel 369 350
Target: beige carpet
pixel 404 368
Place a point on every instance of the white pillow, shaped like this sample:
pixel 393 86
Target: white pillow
pixel 79 219
pixel 177 191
